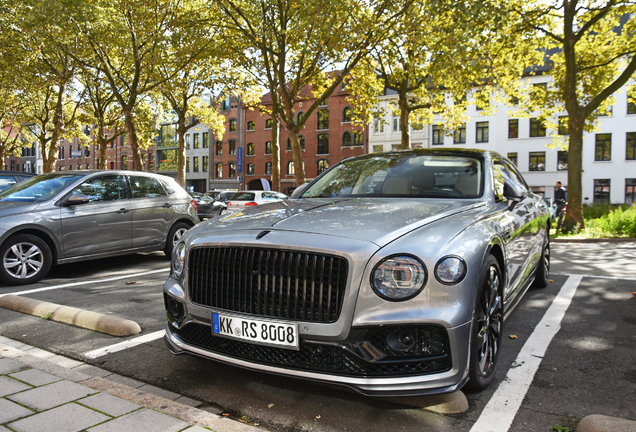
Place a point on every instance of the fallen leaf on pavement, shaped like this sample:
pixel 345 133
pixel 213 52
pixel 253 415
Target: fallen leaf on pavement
pixel 634 292
pixel 550 280
pixel 131 282
pixel 226 414
pixel 317 417
pixel 270 405
pixel 512 337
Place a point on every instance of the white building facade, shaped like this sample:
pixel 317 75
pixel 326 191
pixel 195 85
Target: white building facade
pixel 609 153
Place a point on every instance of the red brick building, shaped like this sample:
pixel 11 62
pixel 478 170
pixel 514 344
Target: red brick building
pixel 74 156
pixel 244 155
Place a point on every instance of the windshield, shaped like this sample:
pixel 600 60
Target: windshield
pixel 39 188
pixel 411 174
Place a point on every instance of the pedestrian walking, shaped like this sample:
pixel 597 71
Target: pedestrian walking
pixel 560 198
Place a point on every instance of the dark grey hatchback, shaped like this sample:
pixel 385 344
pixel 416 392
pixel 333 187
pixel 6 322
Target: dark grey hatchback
pixel 80 215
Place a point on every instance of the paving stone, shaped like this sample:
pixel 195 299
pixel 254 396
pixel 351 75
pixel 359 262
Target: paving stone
pixel 159 392
pixel 17 344
pixel 65 361
pixel 39 353
pixel 124 380
pixel 92 370
pixel 4 429
pixel 49 396
pixel 10 411
pixel 66 418
pixel 187 401
pixel 8 365
pixel 35 377
pixel 9 386
pixel 144 420
pixel 108 404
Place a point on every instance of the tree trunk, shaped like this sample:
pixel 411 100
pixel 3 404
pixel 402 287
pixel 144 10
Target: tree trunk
pixel 275 154
pixel 299 169
pixel 181 152
pixel 132 138
pixel 58 130
pixel 405 125
pixel 574 214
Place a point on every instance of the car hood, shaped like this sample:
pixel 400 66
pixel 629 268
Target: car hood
pixel 376 220
pixel 9 208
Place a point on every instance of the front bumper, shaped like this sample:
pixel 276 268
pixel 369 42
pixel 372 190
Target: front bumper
pixel 362 362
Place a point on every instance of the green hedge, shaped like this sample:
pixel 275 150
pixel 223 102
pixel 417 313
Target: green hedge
pixel 619 222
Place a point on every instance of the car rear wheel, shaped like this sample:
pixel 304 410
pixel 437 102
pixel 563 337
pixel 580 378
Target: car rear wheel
pixel 222 211
pixel 25 259
pixel 487 326
pixel 542 274
pixel 176 232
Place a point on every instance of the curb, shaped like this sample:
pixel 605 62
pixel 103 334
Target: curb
pixel 169 407
pixel 602 423
pixel 69 315
pixel 601 240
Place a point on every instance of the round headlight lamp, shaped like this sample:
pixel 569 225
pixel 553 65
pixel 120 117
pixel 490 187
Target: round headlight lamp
pixel 398 278
pixel 178 259
pixel 450 270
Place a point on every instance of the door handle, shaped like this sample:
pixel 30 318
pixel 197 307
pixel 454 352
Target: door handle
pixel 167 205
pixel 123 210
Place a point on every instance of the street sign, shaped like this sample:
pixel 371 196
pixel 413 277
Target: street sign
pixel 76 153
pixel 239 159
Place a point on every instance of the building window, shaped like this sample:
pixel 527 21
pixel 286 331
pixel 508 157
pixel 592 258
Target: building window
pixel 630 191
pixel 537 128
pixel 268 123
pixel 482 132
pixel 219 170
pixel 537 161
pixel 268 168
pixel 233 125
pixel 323 144
pixel 323 119
pixel 219 148
pixel 346 139
pixel 562 160
pixel 206 142
pixel 232 147
pixel 299 117
pixel 195 142
pixel 514 158
pixel 290 168
pixel 563 125
pixel 538 92
pixel 205 164
pixel 438 134
pixel 232 169
pixel 251 149
pixel 151 163
pixel 250 169
pixel 357 138
pixel 603 147
pixel 196 164
pixel 187 164
pixel 601 191
pixel 378 148
pixel 124 162
pixel 513 128
pixel 346 115
pixel 459 136
pixel 606 112
pixel 301 142
pixel 268 147
pixel 378 125
pixel 187 142
pixel 251 126
pixel 112 166
pixel 630 146
pixel 323 164
pixel 396 124
pixel 482 100
pixel 631 108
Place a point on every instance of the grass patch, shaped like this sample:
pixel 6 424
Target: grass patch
pixel 566 424
pixel 47 315
pixel 605 221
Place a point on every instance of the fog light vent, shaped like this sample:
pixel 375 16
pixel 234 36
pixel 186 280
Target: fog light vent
pixel 400 340
pixel 174 308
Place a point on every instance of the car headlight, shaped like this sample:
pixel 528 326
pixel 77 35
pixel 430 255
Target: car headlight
pixel 399 277
pixel 178 259
pixel 450 270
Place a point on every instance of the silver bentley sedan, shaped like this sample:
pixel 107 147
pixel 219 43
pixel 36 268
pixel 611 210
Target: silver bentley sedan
pixel 391 273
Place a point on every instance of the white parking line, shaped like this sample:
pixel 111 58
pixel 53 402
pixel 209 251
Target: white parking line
pixel 596 276
pixel 125 345
pixel 502 408
pixel 128 276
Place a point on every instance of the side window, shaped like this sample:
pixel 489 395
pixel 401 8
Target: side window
pixel 105 188
pixel 167 187
pixel 514 174
pixel 145 187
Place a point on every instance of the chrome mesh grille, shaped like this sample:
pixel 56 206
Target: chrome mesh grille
pixel 268 282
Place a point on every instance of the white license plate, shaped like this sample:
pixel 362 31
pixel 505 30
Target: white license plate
pixel 257 331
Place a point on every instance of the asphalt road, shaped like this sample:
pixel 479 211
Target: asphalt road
pixel 589 366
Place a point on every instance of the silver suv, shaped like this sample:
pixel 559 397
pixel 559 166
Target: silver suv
pixel 72 216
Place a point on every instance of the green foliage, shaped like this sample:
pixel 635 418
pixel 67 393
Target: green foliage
pixel 616 223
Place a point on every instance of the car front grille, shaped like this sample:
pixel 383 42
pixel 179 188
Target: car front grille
pixel 430 352
pixel 268 282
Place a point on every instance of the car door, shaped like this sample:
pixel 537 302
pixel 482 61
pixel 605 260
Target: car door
pixel 152 211
pixel 101 225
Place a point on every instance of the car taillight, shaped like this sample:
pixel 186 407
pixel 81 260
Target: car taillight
pixel 194 204
pixel 228 203
pixel 250 204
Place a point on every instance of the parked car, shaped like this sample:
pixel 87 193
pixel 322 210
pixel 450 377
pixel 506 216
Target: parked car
pixel 240 200
pixel 213 193
pixel 391 273
pixel 208 207
pixel 73 216
pixel 551 208
pixel 225 195
pixel 9 178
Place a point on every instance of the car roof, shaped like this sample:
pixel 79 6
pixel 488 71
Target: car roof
pixel 19 173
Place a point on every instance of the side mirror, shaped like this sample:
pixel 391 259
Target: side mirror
pixel 514 192
pixel 298 190
pixel 75 199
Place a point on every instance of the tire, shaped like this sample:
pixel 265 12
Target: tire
pixel 222 212
pixel 176 232
pixel 486 331
pixel 26 259
pixel 542 273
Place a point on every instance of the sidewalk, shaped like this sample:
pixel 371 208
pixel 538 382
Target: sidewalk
pixel 44 392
